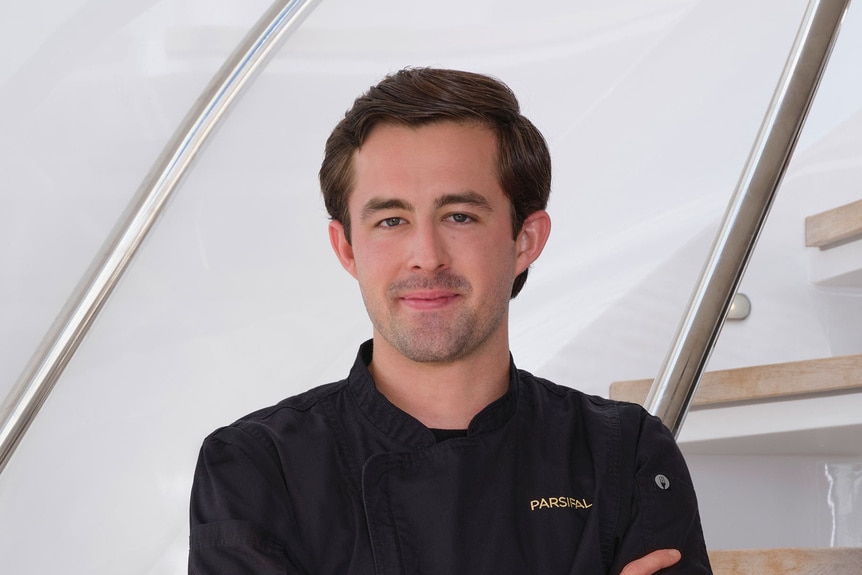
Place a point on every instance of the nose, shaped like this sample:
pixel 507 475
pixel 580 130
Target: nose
pixel 428 249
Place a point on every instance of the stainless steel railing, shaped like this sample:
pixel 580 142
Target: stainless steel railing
pixel 59 345
pixel 674 387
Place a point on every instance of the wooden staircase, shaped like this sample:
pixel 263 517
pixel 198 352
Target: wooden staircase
pixel 835 375
pixel 837 263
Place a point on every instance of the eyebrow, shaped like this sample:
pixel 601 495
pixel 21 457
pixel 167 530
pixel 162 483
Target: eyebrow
pixel 469 197
pixel 375 205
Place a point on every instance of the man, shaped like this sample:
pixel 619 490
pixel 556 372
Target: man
pixel 436 455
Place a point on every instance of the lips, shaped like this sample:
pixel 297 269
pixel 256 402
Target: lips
pixel 429 293
pixel 428 300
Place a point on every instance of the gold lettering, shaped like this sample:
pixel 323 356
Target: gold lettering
pixel 559 503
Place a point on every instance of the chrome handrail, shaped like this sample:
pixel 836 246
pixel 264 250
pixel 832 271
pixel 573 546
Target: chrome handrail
pixel 674 387
pixel 74 321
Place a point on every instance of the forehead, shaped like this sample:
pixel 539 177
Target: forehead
pixel 442 154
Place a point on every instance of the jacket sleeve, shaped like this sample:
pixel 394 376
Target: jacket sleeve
pixel 663 511
pixel 239 512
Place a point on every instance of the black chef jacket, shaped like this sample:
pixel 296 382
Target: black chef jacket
pixel 338 480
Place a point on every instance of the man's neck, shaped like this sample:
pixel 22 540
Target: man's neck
pixel 441 395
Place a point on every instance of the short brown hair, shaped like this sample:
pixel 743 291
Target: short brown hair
pixel 421 96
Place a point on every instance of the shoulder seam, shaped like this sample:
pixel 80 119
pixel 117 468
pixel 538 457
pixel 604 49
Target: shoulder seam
pixel 301 402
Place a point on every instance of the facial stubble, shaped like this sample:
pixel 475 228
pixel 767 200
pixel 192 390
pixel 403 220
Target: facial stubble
pixel 440 336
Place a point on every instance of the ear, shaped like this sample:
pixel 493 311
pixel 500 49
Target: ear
pixel 531 239
pixel 342 248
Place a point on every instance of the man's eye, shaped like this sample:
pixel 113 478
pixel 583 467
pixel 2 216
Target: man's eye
pixel 391 222
pixel 461 218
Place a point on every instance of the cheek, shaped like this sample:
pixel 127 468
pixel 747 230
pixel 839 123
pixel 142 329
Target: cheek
pixel 490 266
pixel 499 250
pixel 373 262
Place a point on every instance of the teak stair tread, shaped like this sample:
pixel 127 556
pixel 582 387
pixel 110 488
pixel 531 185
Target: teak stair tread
pixel 834 227
pixel 831 374
pixel 796 561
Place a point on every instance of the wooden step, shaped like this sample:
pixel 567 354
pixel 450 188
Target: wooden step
pixel 834 227
pixel 831 374
pixel 824 561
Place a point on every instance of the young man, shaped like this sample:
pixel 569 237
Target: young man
pixel 436 455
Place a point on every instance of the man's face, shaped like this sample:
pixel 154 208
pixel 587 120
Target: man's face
pixel 431 240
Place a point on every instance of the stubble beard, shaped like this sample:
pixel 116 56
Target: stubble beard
pixel 438 337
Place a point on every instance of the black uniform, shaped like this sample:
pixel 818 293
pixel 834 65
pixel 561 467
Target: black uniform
pixel 338 480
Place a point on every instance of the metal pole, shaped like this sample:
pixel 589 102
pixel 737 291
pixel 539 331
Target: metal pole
pixel 71 326
pixel 674 387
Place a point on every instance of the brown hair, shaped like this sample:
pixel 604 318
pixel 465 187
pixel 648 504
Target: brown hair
pixel 421 96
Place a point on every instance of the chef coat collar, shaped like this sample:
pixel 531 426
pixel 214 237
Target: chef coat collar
pixel 406 429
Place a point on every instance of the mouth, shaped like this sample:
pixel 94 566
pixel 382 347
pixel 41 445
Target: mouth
pixel 428 300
